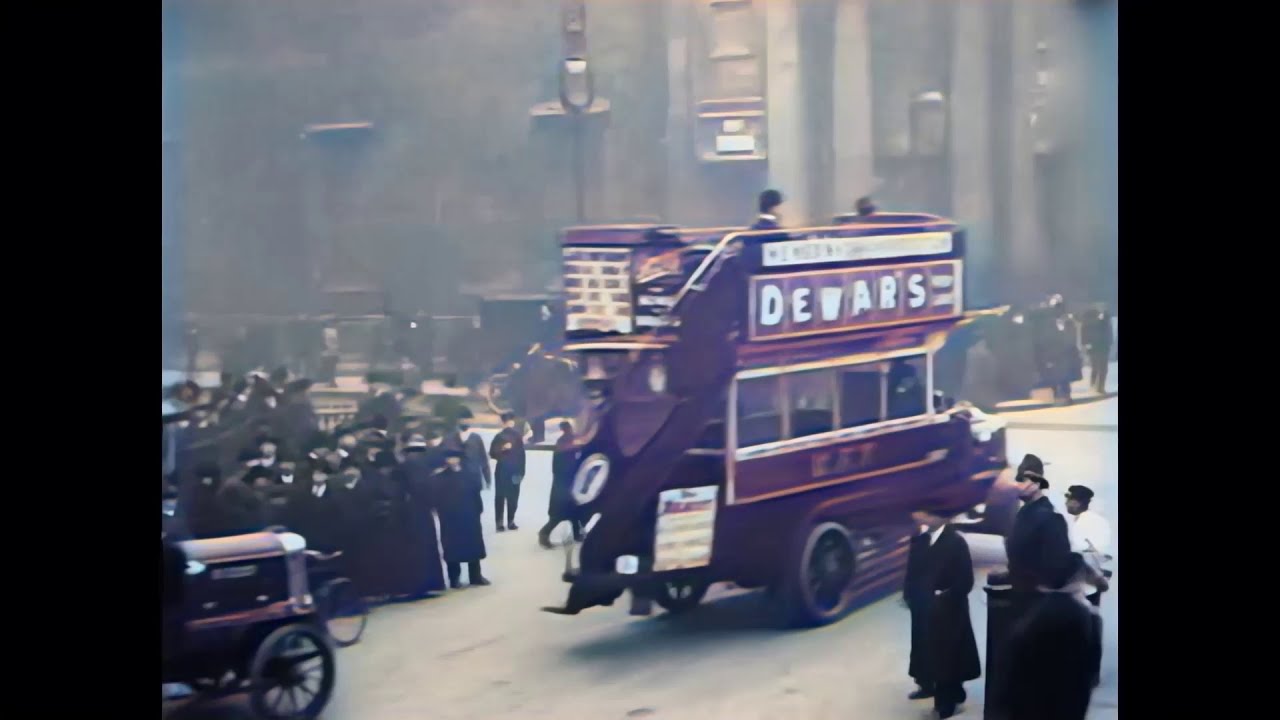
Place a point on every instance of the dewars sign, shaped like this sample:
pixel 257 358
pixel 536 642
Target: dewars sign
pixel 827 301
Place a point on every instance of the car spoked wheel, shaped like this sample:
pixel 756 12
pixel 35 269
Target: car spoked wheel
pixel 679 596
pixel 293 674
pixel 819 589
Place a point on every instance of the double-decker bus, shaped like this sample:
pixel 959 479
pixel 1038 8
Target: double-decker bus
pixel 762 410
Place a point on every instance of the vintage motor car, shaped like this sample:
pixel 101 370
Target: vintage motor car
pixel 238 616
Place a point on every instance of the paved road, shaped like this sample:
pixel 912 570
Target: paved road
pixel 489 652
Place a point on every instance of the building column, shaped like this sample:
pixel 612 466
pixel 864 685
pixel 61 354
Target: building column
pixel 1028 256
pixel 968 121
pixel 852 139
pixel 784 104
pixel 679 131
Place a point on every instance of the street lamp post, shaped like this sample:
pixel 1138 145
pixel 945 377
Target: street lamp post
pixel 577 99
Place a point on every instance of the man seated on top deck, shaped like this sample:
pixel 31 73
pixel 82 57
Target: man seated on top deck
pixel 865 207
pixel 770 201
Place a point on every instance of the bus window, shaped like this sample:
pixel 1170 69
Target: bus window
pixel 759 411
pixel 712 435
pixel 860 396
pixel 811 397
pixel 905 385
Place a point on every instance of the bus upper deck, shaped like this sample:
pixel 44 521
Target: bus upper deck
pixel 622 283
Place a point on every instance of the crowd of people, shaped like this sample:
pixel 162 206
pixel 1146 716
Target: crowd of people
pixel 373 493
pixel 1053 651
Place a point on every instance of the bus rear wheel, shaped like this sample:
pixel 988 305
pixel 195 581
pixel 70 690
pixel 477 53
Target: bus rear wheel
pixel 818 589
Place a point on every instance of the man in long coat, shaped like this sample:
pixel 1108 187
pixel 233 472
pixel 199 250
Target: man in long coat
pixel 417 571
pixel 356 492
pixel 459 508
pixel 508 449
pixel 1096 337
pixel 944 653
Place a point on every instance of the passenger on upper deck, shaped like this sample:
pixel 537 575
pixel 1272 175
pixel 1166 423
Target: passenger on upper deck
pixel 770 201
pixel 865 207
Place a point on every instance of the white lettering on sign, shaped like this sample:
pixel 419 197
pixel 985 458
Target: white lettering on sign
pixel 888 292
pixel 861 297
pixel 784 305
pixel 830 298
pixel 915 286
pixel 770 305
pixel 800 305
pixel 826 250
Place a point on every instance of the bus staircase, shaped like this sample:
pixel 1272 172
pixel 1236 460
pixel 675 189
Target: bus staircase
pixel 700 365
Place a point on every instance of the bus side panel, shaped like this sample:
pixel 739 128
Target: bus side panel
pixel 860 462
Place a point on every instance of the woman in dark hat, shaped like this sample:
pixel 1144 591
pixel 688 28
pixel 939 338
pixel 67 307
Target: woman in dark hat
pixel 459 508
pixel 416 571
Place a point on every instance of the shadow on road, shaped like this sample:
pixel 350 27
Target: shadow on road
pixel 731 616
pixel 234 707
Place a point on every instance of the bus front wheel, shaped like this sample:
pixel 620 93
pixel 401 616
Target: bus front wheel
pixel 818 587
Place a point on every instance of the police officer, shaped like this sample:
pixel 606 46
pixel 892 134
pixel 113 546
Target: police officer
pixel 1038 545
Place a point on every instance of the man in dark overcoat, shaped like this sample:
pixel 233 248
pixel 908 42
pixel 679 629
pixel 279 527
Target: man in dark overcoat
pixel 944 653
pixel 508 450
pixel 459 507
pixel 1049 657
pixel 1038 545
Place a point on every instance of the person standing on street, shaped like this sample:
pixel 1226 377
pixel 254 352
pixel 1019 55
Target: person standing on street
pixel 472 447
pixel 1097 337
pixel 460 507
pixel 1090 535
pixel 561 506
pixel 1048 666
pixel 1061 351
pixel 944 653
pixel 508 449
pixel 1038 545
pixel 419 573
